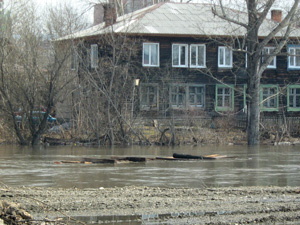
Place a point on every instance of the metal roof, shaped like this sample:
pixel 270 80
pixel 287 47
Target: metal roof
pixel 177 19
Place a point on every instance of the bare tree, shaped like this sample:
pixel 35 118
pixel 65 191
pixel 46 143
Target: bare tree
pixel 108 94
pixel 32 75
pixel 257 12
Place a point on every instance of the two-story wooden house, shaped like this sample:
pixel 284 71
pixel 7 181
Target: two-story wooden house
pixel 191 60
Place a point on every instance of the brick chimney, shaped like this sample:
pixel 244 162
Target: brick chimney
pixel 110 14
pixel 276 15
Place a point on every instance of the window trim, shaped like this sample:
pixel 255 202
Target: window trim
pixel 188 96
pixel 268 48
pixel 289 108
pixel 269 109
pixel 148 107
pixel 94 57
pixel 294 56
pixel 150 54
pixel 223 108
pixel 231 57
pixel 179 55
pixel 184 105
pixel 197 54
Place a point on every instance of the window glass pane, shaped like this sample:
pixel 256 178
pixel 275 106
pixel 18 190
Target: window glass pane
pixel 221 56
pixel 220 101
pixel 265 91
pixel 146 54
pixel 175 55
pixel 297 101
pixel 271 51
pixel 144 96
pixel 297 59
pixel 94 56
pixel 291 101
pixel 220 91
pixel 152 100
pixel 227 91
pixel 199 99
pixel 226 101
pixel 182 55
pixel 192 90
pixel 154 54
pixel 174 97
pixel 228 57
pixel 201 55
pixel 192 99
pixel 193 55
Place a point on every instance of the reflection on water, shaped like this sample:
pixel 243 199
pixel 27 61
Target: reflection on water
pixel 265 165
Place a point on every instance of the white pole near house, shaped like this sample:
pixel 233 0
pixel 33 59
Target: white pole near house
pixel 136 83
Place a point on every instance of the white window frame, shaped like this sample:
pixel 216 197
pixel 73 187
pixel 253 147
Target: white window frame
pixel 147 106
pixel 198 65
pixel 292 58
pixel 223 63
pixel 151 63
pixel 266 52
pixel 94 56
pixel 179 55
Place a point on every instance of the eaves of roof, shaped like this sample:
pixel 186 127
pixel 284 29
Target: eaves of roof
pixel 176 20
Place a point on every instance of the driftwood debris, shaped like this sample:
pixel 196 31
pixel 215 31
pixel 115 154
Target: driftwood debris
pixel 112 160
pixel 135 159
pixel 184 156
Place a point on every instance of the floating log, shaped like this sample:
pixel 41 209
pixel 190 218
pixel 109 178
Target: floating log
pixel 95 160
pixel 167 158
pixel 130 159
pixel 184 156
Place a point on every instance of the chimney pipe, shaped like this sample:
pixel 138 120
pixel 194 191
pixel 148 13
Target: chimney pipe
pixel 276 15
pixel 98 14
pixel 110 14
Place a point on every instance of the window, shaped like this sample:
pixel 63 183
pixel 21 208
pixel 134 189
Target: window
pixel 178 96
pixel 269 98
pixel 149 96
pixel 197 56
pixel 74 60
pixel 151 54
pixel 94 56
pixel 267 51
pixel 196 96
pixel 224 98
pixel 293 97
pixel 179 55
pixel 294 57
pixel 224 57
pixel 187 95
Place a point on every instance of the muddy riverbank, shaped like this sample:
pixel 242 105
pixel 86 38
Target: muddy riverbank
pixel 169 205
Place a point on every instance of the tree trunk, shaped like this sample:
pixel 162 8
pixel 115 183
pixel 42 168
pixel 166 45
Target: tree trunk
pixel 254 58
pixel 253 134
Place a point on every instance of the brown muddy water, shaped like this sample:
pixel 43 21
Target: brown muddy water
pixel 260 166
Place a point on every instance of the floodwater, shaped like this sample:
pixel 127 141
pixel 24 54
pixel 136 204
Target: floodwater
pixel 263 166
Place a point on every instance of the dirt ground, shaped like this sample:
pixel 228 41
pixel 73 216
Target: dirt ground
pixel 154 205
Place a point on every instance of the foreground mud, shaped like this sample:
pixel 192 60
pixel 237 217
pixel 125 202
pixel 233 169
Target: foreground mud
pixel 166 205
